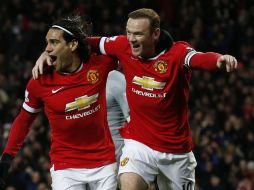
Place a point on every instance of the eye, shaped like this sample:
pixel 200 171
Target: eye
pixel 54 42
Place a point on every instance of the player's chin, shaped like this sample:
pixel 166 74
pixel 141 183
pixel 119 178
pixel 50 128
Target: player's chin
pixel 136 52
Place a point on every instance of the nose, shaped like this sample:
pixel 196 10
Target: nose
pixel 131 38
pixel 48 48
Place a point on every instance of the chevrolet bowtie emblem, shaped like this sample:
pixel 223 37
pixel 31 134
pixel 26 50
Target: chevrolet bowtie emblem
pixel 148 83
pixel 81 103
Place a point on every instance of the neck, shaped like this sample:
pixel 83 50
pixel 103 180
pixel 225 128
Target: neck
pixel 74 66
pixel 76 62
pixel 151 53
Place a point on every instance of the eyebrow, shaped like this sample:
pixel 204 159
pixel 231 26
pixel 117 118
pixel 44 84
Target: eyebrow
pixel 136 32
pixel 52 40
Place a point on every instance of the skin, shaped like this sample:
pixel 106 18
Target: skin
pixel 132 181
pixel 142 41
pixel 64 55
pixel 141 38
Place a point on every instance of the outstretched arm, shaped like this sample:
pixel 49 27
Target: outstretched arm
pixel 213 61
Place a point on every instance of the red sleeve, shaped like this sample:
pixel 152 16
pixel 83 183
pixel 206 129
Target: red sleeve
pixel 94 43
pixel 205 61
pixel 19 131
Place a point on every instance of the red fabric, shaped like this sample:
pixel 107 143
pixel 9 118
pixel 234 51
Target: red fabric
pixel 94 43
pixel 157 92
pixel 205 61
pixel 19 131
pixel 75 105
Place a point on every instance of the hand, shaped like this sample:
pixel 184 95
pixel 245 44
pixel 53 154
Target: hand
pixel 5 164
pixel 227 61
pixel 44 59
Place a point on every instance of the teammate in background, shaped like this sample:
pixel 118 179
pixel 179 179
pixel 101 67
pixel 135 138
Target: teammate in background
pixel 158 140
pixel 73 97
pixel 117 108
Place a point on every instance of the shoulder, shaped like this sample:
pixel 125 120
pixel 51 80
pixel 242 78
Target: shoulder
pixel 180 47
pixel 48 78
pixel 34 86
pixel 181 44
pixel 98 57
pixel 104 61
pixel 121 38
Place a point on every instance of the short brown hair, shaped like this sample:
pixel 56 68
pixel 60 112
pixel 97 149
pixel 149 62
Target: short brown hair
pixel 150 14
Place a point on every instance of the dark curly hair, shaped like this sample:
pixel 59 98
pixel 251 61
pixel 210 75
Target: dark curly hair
pixel 78 28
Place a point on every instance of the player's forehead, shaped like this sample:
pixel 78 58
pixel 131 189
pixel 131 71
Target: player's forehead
pixel 138 25
pixel 54 33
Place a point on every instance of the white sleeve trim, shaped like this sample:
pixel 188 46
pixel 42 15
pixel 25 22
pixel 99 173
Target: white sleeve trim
pixel 101 45
pixel 188 57
pixel 29 109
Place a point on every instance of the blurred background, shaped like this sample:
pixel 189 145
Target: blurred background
pixel 221 105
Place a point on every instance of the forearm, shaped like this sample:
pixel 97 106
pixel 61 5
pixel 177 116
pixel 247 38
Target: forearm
pixel 18 132
pixel 94 43
pixel 205 61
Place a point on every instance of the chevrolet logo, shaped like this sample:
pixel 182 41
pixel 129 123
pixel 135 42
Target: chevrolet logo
pixel 81 103
pixel 148 83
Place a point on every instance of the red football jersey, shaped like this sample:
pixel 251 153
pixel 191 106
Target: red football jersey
pixel 157 92
pixel 75 105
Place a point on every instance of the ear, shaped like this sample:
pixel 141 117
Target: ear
pixel 73 45
pixel 157 33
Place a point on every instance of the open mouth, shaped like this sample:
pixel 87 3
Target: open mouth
pixel 53 59
pixel 135 47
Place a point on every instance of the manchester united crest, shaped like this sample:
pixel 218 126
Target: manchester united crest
pixel 160 66
pixel 124 161
pixel 92 76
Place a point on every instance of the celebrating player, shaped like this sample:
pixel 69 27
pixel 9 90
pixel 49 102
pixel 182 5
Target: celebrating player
pixel 158 141
pixel 72 95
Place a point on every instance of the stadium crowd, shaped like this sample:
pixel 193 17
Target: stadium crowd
pixel 222 107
